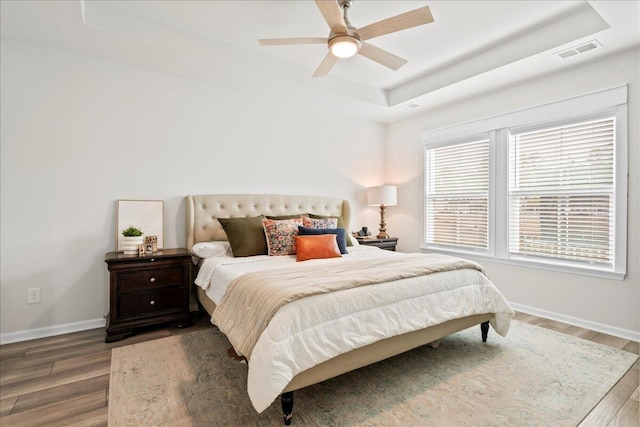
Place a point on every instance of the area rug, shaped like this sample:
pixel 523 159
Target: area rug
pixel 533 377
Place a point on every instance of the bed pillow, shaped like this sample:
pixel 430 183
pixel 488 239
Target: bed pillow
pixel 341 224
pixel 339 232
pixel 280 235
pixel 245 235
pixel 284 216
pixel 316 247
pixel 309 222
pixel 211 249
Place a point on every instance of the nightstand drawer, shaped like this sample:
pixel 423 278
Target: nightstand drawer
pixel 387 244
pixel 151 302
pixel 149 279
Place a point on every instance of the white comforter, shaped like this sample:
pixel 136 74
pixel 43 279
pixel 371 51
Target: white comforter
pixel 312 330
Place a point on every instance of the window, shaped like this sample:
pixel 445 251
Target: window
pixel 458 195
pixel 561 192
pixel 546 186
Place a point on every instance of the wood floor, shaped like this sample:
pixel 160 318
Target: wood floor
pixel 64 380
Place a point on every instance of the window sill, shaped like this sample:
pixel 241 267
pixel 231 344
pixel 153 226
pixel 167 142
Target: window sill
pixel 528 263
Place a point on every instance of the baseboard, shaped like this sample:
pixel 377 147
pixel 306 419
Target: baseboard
pixel 49 331
pixel 575 321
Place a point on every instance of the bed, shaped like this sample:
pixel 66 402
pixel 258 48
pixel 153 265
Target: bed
pixel 374 329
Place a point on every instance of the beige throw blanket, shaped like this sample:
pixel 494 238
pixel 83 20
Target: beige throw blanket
pixel 252 299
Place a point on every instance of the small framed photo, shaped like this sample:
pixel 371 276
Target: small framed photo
pixel 151 244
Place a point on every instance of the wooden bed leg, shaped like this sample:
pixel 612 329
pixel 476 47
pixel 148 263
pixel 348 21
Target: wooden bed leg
pixel 484 327
pixel 286 399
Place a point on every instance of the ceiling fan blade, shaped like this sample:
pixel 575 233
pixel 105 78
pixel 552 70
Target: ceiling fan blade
pixel 396 23
pixel 381 56
pixel 326 65
pixel 333 15
pixel 300 40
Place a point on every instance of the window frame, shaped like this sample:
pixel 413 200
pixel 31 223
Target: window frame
pixel 612 102
pixel 604 114
pixel 460 141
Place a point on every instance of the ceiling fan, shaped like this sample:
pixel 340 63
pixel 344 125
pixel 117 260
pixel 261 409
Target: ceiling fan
pixel 345 40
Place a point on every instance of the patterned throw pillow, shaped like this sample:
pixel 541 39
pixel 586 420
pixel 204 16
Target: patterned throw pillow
pixel 341 224
pixel 320 223
pixel 279 234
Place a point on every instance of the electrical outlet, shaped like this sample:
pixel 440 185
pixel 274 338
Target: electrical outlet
pixel 33 295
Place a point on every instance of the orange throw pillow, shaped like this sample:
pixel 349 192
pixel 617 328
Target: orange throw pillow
pixel 316 247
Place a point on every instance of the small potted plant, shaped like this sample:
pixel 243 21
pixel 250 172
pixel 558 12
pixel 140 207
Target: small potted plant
pixel 131 238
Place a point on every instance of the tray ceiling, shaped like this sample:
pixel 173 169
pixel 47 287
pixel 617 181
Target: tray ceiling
pixel 471 47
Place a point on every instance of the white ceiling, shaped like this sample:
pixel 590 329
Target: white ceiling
pixel 471 47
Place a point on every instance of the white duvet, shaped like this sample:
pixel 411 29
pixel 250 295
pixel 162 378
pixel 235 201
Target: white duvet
pixel 312 330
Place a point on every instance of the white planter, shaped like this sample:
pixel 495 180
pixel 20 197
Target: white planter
pixel 130 244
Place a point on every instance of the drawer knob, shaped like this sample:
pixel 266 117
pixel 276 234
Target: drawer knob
pixel 152 259
pixel 152 302
pixel 153 279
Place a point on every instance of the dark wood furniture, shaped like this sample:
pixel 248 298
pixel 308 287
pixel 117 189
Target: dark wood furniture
pixel 147 291
pixel 388 244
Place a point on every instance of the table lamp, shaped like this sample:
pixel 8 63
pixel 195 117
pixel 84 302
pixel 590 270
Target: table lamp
pixel 383 196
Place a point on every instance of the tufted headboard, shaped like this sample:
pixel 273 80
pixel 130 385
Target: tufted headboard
pixel 203 210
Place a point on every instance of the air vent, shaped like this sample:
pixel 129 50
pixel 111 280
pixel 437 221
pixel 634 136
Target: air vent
pixel 407 107
pixel 577 50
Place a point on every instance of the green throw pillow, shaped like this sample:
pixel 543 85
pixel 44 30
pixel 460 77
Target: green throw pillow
pixel 279 217
pixel 246 235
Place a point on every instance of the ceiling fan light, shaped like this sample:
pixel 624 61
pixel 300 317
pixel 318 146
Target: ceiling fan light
pixel 344 46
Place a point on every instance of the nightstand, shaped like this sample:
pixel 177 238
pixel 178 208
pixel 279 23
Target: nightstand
pixel 388 244
pixel 147 291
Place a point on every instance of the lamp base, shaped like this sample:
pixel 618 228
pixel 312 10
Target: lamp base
pixel 383 226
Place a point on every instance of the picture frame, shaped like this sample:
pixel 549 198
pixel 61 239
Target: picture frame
pixel 151 244
pixel 148 215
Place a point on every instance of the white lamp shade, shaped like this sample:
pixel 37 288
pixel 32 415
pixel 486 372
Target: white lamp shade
pixel 383 195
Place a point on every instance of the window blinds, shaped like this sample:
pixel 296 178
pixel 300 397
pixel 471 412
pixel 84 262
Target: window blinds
pixel 561 186
pixel 458 195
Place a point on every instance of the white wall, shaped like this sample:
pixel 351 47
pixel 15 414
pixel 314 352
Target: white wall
pixel 615 305
pixel 78 133
pixel 70 125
